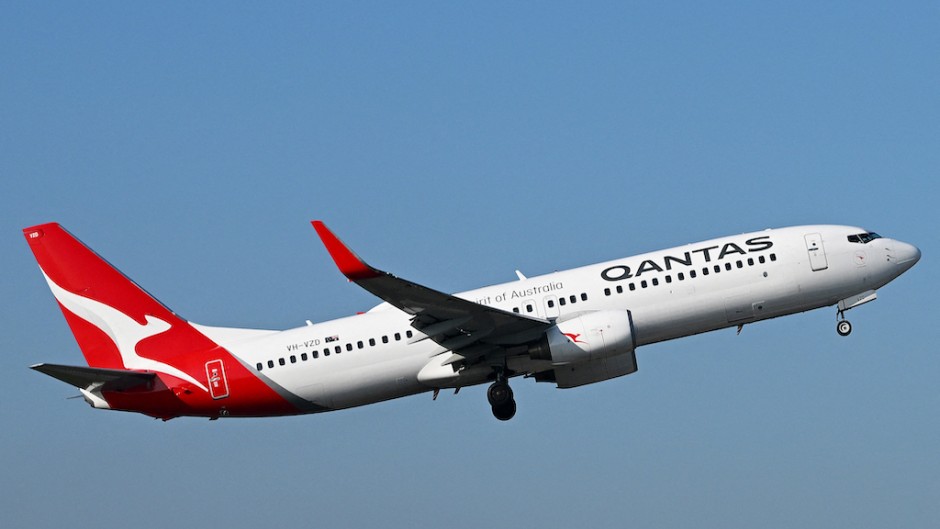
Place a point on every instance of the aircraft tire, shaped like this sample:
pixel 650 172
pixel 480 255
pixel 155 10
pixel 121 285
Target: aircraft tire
pixel 505 411
pixel 844 328
pixel 499 394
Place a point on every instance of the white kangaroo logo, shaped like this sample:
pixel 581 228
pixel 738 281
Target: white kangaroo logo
pixel 121 328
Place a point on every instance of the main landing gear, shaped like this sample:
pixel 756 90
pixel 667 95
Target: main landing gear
pixel 500 396
pixel 843 327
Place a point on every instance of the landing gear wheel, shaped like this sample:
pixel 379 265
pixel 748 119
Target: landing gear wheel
pixel 844 328
pixel 499 394
pixel 505 411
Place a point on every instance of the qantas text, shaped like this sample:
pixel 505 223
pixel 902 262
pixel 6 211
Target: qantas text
pixel 708 254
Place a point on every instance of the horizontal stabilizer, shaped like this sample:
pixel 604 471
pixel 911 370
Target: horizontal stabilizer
pixel 102 379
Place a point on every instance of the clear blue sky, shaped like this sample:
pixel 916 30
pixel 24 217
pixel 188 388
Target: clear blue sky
pixel 191 143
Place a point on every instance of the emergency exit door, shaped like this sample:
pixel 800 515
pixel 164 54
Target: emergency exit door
pixel 817 254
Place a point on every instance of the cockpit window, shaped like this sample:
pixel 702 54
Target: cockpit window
pixel 864 238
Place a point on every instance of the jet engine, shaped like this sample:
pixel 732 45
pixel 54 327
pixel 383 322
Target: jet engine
pixel 589 336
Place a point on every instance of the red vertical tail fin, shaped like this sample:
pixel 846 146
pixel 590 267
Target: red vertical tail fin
pixel 115 322
pixel 143 357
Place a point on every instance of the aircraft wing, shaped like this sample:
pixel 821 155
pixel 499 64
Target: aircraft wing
pixel 459 325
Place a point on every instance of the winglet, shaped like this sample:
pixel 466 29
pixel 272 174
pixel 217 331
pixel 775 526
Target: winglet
pixel 349 263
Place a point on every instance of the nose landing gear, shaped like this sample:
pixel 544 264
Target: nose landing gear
pixel 843 327
pixel 500 397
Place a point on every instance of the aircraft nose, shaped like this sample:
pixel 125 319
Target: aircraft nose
pixel 907 255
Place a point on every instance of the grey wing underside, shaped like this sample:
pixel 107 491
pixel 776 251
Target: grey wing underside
pixel 469 329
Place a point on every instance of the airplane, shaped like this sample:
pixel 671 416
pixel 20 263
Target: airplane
pixel 569 328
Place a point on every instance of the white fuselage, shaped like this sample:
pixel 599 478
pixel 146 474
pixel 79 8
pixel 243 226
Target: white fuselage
pixel 671 293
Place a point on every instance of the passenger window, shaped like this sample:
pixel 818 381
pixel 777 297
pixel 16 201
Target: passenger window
pixel 643 284
pixel 528 308
pixel 270 363
pixel 728 266
pixel 761 259
pixel 315 354
pixel 632 286
pixel 338 349
pixel 326 352
pixel 551 302
pixel 583 296
pixel 281 361
pixel 740 264
pixel 397 336
pixel 372 342
pixel 259 366
pixel 561 301
pixel 717 269
pixel 620 289
pixel 773 257
pixel 750 261
pixel 681 276
pixel 691 274
pixel 705 271
pixel 408 334
pixel 349 347
pixel 669 279
pixel 293 359
pixel 572 298
pixel 303 357
pixel 360 345
pixel 606 293
pixel 516 309
pixel 385 339
pixel 655 281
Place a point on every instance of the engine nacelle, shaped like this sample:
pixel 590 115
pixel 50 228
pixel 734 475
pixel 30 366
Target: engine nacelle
pixel 590 336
